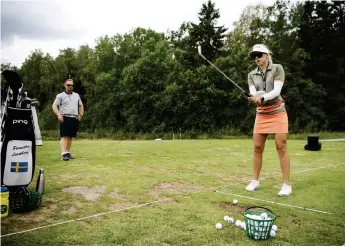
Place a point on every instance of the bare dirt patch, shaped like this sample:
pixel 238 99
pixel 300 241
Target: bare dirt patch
pixel 117 195
pixel 231 208
pixel 82 223
pixel 70 211
pixel 173 188
pixel 21 221
pixel 50 199
pixel 53 207
pixel 90 194
pixel 167 200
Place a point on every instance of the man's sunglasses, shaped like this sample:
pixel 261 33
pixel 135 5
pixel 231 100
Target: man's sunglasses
pixel 256 54
pixel 69 85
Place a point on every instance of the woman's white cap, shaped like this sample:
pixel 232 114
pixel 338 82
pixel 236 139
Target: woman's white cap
pixel 260 48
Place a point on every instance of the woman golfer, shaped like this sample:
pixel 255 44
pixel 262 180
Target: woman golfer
pixel 265 83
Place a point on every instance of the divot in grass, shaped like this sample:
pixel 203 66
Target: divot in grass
pixel 115 194
pixel 233 208
pixel 89 194
pixel 83 223
pixel 173 188
pixel 70 211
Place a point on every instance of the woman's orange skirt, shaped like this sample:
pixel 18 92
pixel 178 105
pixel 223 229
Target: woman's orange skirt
pixel 271 123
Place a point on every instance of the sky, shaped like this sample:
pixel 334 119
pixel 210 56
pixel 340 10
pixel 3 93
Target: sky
pixel 53 25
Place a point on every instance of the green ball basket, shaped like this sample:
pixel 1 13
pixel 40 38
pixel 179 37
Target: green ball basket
pixel 258 229
pixel 24 199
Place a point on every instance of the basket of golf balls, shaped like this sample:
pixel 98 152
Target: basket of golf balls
pixel 24 199
pixel 259 222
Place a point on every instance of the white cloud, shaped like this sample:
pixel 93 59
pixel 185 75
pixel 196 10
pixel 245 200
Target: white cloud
pixel 87 20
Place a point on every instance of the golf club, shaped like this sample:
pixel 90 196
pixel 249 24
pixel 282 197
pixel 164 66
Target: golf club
pixel 200 53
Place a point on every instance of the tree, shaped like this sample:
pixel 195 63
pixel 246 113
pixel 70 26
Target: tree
pixel 322 36
pixel 142 84
pixel 207 33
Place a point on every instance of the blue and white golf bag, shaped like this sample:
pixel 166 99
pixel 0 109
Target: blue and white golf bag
pixel 18 142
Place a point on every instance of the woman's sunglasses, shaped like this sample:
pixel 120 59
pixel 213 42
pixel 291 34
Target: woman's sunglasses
pixel 69 85
pixel 256 54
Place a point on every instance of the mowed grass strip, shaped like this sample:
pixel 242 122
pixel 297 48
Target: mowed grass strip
pixel 112 175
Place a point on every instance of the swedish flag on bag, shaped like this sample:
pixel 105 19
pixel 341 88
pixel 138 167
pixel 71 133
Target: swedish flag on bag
pixel 19 167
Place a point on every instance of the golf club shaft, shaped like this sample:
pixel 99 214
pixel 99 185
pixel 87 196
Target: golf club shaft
pixel 246 93
pixel 4 108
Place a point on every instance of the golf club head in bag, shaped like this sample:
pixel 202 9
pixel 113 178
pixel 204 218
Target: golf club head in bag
pixel 13 85
pixel 28 103
pixel 18 149
pixel 203 57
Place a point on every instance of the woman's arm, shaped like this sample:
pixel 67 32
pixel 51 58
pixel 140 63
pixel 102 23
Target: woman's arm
pixel 279 78
pixel 278 85
pixel 252 89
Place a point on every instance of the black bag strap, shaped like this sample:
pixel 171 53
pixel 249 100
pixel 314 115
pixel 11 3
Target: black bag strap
pixel 264 75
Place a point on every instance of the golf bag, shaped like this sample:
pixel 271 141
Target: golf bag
pixel 18 143
pixel 313 144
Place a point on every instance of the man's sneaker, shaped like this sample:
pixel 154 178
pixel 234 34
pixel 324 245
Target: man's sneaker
pixel 254 185
pixel 69 156
pixel 64 157
pixel 286 190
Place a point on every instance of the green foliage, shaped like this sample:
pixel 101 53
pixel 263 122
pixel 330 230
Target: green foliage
pixel 206 33
pixel 47 119
pixel 145 82
pixel 322 34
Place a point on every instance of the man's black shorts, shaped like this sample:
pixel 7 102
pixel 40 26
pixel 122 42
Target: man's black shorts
pixel 69 127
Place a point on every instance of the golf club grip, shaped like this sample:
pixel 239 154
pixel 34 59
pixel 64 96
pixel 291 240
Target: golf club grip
pixel 13 79
pixel 247 94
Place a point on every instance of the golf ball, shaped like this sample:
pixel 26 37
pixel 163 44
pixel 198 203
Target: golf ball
pixel 264 216
pixel 235 201
pixel 238 223
pixel 275 228
pixel 219 226
pixel 272 233
pixel 256 225
pixel 230 220
pixel 243 224
pixel 226 218
pixel 257 235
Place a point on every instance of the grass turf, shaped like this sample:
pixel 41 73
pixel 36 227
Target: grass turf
pixel 114 175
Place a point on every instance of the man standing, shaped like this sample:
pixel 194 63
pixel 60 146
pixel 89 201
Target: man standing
pixel 68 107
